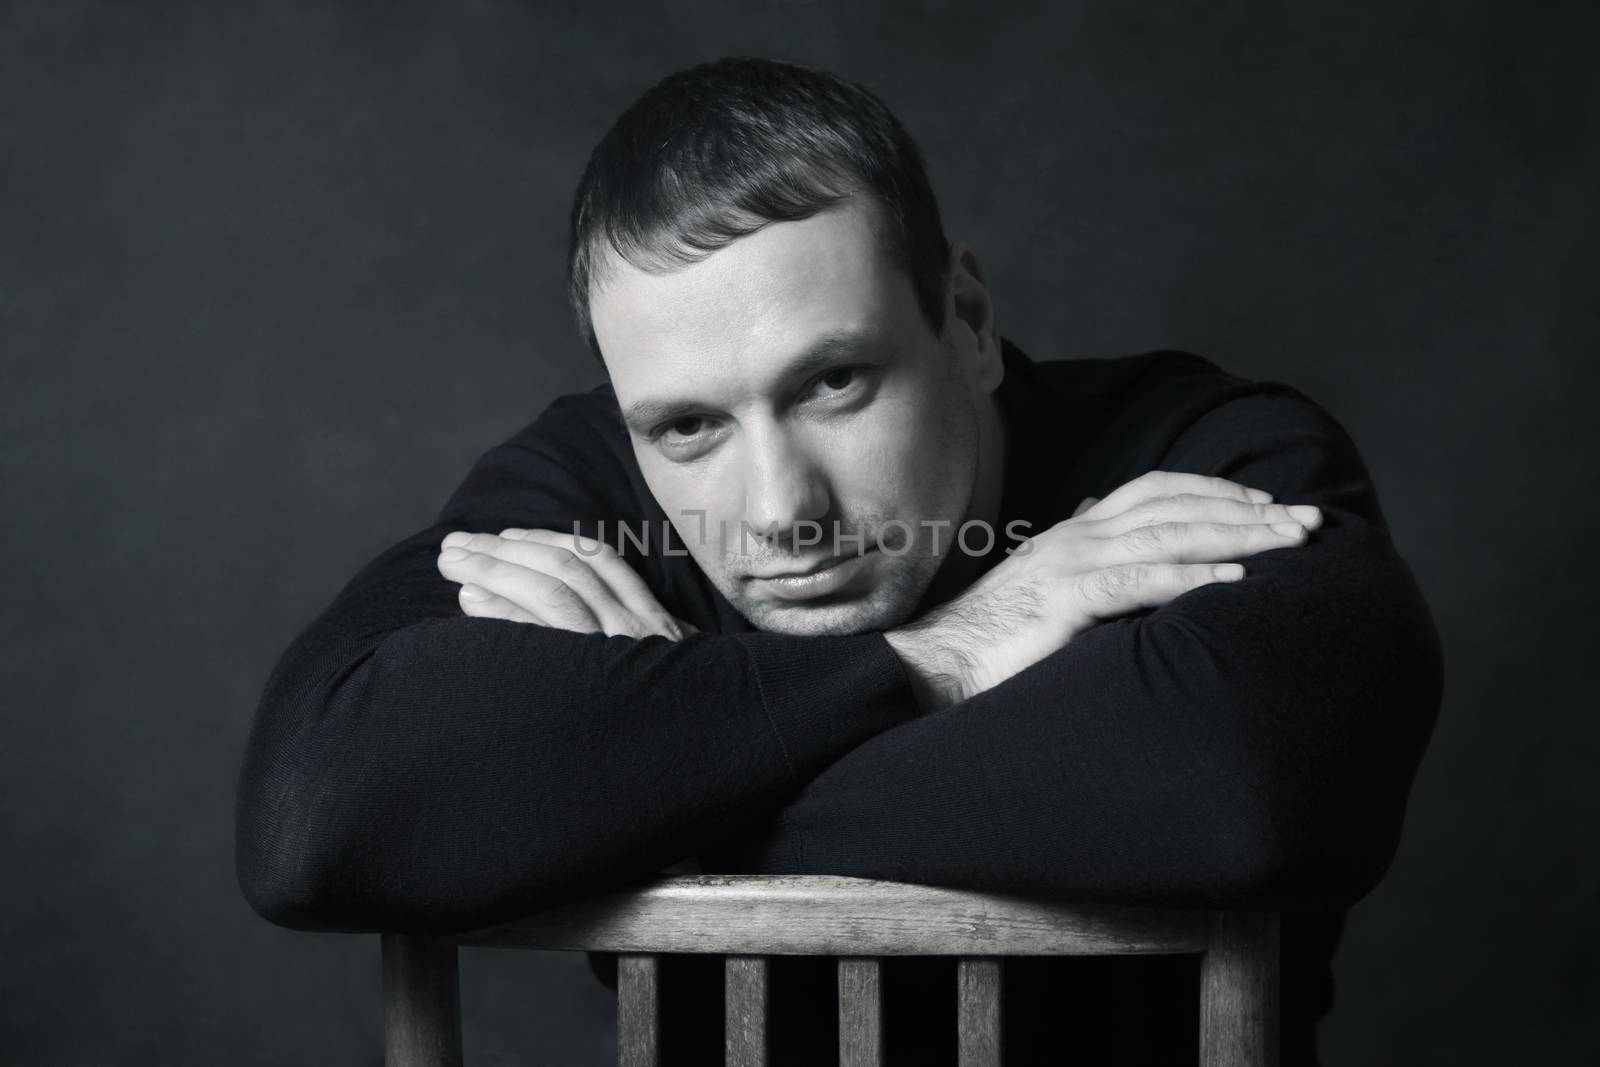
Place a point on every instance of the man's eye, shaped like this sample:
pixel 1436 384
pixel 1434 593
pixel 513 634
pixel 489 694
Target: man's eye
pixel 687 437
pixel 836 380
pixel 687 426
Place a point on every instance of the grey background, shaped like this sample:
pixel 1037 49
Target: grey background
pixel 271 277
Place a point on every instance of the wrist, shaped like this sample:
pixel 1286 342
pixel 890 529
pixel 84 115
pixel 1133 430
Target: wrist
pixel 937 671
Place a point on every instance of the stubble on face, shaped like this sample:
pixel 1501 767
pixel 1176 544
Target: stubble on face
pixel 721 332
pixel 942 454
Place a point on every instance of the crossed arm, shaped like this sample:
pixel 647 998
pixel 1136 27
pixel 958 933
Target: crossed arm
pixel 1248 741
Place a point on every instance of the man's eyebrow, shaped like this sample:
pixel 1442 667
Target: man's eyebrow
pixel 643 414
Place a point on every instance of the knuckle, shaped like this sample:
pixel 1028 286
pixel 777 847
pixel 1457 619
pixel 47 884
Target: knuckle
pixel 1150 480
pixel 473 563
pixel 1151 511
pixel 1154 538
pixel 559 596
pixel 1094 588
pixel 567 561
pixel 1110 584
pixel 496 574
pixel 1142 539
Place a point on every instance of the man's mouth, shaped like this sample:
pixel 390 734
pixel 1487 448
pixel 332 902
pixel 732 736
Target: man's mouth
pixel 820 578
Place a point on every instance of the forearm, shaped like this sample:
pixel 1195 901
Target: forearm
pixel 1151 760
pixel 1251 741
pixel 413 768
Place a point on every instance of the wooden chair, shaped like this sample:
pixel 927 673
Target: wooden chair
pixel 747 918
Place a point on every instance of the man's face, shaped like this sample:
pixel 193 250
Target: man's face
pixel 790 379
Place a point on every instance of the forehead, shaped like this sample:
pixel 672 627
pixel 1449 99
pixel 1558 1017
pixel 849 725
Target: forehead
pixel 749 306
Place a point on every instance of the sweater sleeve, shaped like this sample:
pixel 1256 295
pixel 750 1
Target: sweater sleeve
pixel 1247 744
pixel 411 768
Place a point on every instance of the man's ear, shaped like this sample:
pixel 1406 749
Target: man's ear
pixel 969 318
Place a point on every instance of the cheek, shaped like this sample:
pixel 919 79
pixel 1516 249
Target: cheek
pixel 905 458
pixel 698 501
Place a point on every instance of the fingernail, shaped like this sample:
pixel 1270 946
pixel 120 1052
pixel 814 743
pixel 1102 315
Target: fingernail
pixel 1307 514
pixel 1228 572
pixel 513 534
pixel 451 555
pixel 457 538
pixel 473 592
pixel 1288 529
pixel 1259 496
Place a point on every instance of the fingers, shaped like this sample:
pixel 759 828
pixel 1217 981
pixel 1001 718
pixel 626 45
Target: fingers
pixel 1193 507
pixel 1127 587
pixel 502 568
pixel 1084 505
pixel 482 604
pixel 557 586
pixel 1171 483
pixel 624 582
pixel 1195 542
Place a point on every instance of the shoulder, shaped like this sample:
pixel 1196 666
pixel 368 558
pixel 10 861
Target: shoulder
pixel 590 417
pixel 1131 411
pixel 1086 426
pixel 1260 432
pixel 576 449
pixel 580 431
pixel 1165 387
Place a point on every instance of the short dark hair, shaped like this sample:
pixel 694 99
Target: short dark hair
pixel 716 152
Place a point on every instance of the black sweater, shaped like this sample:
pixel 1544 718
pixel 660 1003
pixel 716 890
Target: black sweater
pixel 1248 744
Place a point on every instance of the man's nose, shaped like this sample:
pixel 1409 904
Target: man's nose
pixel 783 487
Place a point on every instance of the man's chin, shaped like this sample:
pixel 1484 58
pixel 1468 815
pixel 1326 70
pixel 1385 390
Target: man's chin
pixel 840 619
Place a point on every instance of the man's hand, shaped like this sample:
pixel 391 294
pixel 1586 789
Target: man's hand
pixel 1152 539
pixel 554 579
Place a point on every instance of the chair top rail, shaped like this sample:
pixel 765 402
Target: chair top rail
pixel 826 915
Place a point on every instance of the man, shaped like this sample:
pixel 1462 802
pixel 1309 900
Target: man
pixel 832 578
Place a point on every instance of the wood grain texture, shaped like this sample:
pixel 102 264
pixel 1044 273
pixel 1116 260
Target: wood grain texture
pixel 421 1002
pixel 745 1002
pixel 638 1011
pixel 824 915
pixel 860 1012
pixel 1239 991
pixel 979 984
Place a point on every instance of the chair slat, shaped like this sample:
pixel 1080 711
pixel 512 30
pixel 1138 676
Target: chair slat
pixel 638 1011
pixel 826 915
pixel 745 1002
pixel 1239 991
pixel 749 918
pixel 979 985
pixel 860 1012
pixel 421 1002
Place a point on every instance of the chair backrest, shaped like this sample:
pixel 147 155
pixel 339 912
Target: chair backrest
pixel 747 918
